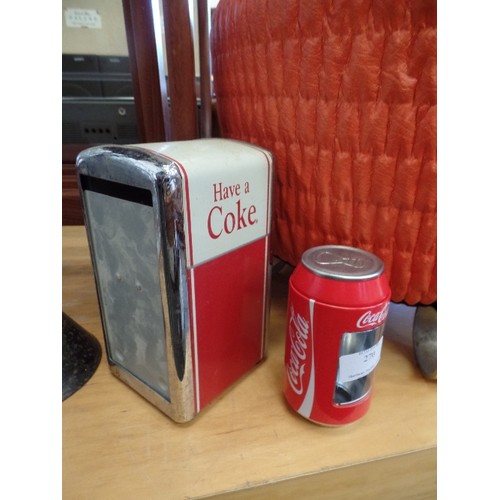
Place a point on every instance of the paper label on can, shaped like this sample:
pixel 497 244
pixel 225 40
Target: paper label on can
pixel 359 364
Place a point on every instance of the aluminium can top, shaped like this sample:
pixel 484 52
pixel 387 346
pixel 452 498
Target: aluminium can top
pixel 342 263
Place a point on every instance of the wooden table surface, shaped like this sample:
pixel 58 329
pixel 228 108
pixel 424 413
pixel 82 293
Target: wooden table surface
pixel 248 443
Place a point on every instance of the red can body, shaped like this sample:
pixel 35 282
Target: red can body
pixel 337 305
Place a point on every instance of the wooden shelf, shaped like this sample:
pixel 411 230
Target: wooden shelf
pixel 248 443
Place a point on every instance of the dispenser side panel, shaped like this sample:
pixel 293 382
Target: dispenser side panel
pixel 230 295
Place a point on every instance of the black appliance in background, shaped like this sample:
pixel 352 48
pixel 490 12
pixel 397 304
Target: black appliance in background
pixel 97 100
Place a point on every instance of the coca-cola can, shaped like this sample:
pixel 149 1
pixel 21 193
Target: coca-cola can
pixel 337 305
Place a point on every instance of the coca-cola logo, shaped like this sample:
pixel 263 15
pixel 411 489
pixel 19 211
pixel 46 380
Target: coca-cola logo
pixel 370 318
pixel 298 334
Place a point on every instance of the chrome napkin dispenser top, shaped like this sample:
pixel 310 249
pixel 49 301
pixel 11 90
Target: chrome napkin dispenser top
pixel 179 240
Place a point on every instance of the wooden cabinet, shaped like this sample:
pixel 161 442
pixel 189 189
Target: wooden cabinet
pixel 71 207
pixel 72 214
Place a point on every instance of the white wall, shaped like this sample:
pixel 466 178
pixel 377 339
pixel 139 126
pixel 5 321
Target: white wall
pixel 110 39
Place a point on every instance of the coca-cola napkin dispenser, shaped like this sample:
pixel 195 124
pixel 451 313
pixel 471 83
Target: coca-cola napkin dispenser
pixel 179 240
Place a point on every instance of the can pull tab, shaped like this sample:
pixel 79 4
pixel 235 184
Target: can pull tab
pixel 343 263
pixel 328 258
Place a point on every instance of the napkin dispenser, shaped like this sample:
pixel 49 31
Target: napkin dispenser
pixel 178 234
